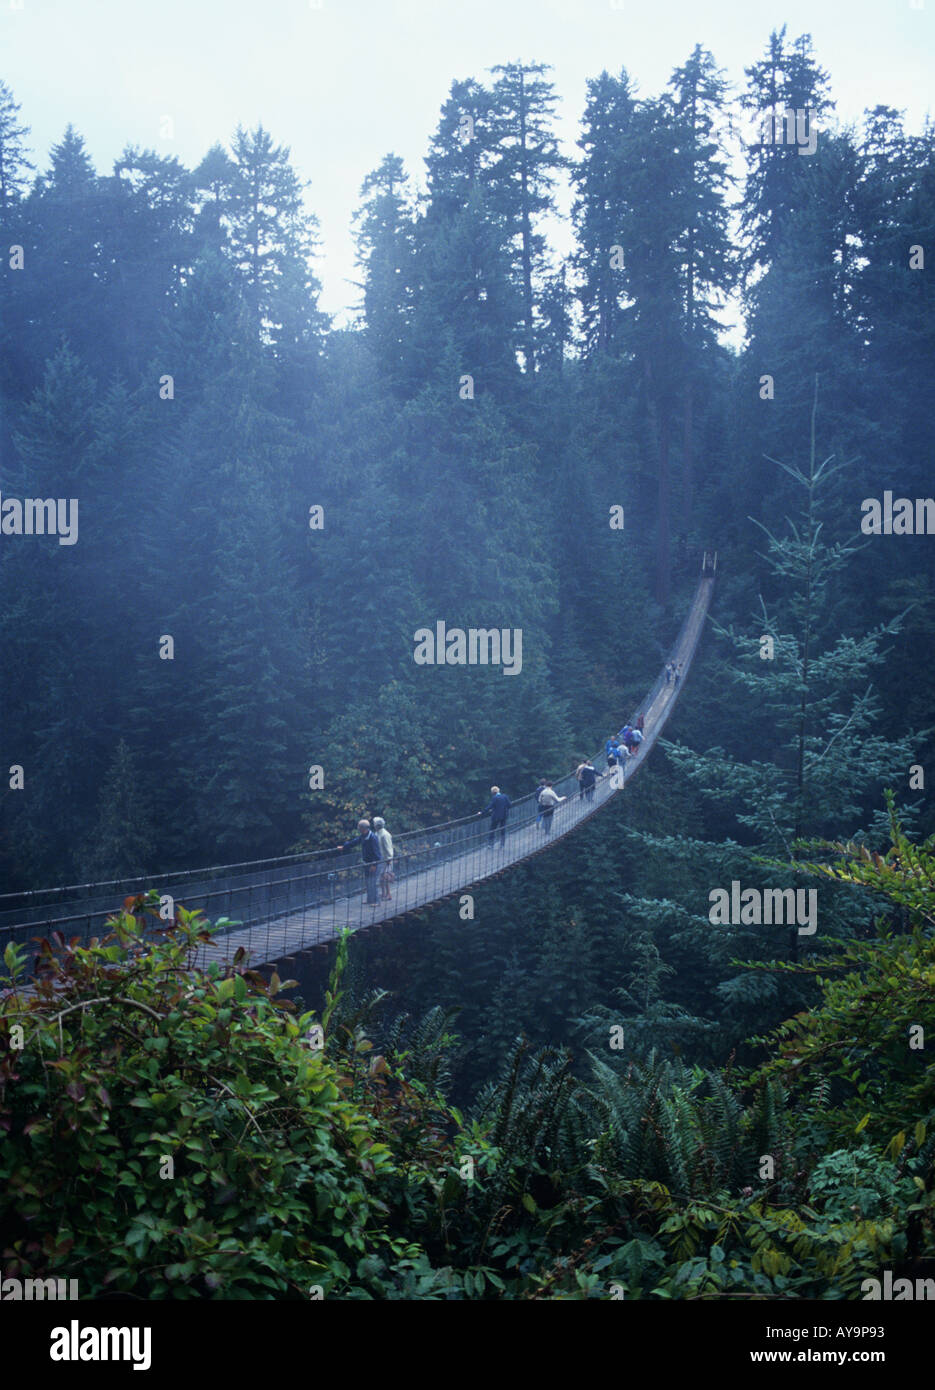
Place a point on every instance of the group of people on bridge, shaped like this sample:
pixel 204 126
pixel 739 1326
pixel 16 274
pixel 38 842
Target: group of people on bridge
pixel 623 745
pixel 376 843
pixel 376 849
pixel 547 798
pixel 620 747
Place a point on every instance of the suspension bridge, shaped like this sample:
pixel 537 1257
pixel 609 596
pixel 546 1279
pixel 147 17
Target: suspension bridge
pixel 278 907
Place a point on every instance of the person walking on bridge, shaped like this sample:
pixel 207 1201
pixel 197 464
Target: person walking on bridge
pixel 370 856
pixel 548 800
pixel 386 850
pixel 587 777
pixel 498 807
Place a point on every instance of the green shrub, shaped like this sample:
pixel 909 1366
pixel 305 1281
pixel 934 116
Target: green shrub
pixel 170 1132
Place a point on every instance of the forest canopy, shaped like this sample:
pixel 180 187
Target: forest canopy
pixel 600 1083
pixel 165 363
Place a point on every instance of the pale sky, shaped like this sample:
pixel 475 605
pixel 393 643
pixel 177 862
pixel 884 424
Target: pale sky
pixel 342 82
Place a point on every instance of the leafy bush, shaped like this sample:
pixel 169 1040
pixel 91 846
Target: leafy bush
pixel 173 1132
pixel 857 1182
pixel 169 1132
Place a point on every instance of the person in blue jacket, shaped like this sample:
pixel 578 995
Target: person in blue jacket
pixel 370 856
pixel 498 808
pixel 611 749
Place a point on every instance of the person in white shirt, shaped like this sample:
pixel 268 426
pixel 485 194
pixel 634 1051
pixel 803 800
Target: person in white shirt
pixel 548 800
pixel 386 849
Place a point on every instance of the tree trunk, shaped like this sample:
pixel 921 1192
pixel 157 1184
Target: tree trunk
pixel 662 544
pixel 527 231
pixel 688 457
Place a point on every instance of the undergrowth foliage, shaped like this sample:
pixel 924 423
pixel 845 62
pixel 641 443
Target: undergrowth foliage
pixel 186 1133
pixel 169 1133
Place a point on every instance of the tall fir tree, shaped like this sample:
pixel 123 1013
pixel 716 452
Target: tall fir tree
pixel 522 175
pixel 598 209
pixel 271 239
pixel 467 307
pixel 803 747
pixel 786 79
pixel 698 92
pixel 14 164
pixel 122 842
pixel 385 252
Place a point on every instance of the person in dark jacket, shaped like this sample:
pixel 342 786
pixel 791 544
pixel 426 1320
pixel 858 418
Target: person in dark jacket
pixel 370 856
pixel 640 722
pixel 498 808
pixel 587 779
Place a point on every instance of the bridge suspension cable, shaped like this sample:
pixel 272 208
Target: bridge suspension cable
pixel 276 907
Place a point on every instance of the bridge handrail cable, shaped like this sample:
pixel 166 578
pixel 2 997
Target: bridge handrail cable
pixel 424 845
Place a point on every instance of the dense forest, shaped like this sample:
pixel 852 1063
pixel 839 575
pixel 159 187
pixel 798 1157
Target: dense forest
pixel 269 507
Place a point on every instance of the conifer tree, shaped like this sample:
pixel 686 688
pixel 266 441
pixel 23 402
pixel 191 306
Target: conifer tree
pixel 461 148
pixel 651 222
pixel 272 239
pixel 51 694
pixel 522 174
pixel 148 207
pixel 15 334
pixel 214 181
pixel 467 305
pixel 65 211
pixel 808 748
pixel 599 208
pixel 786 79
pixel 121 843
pixel 14 165
pixel 385 251
pixel 698 94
